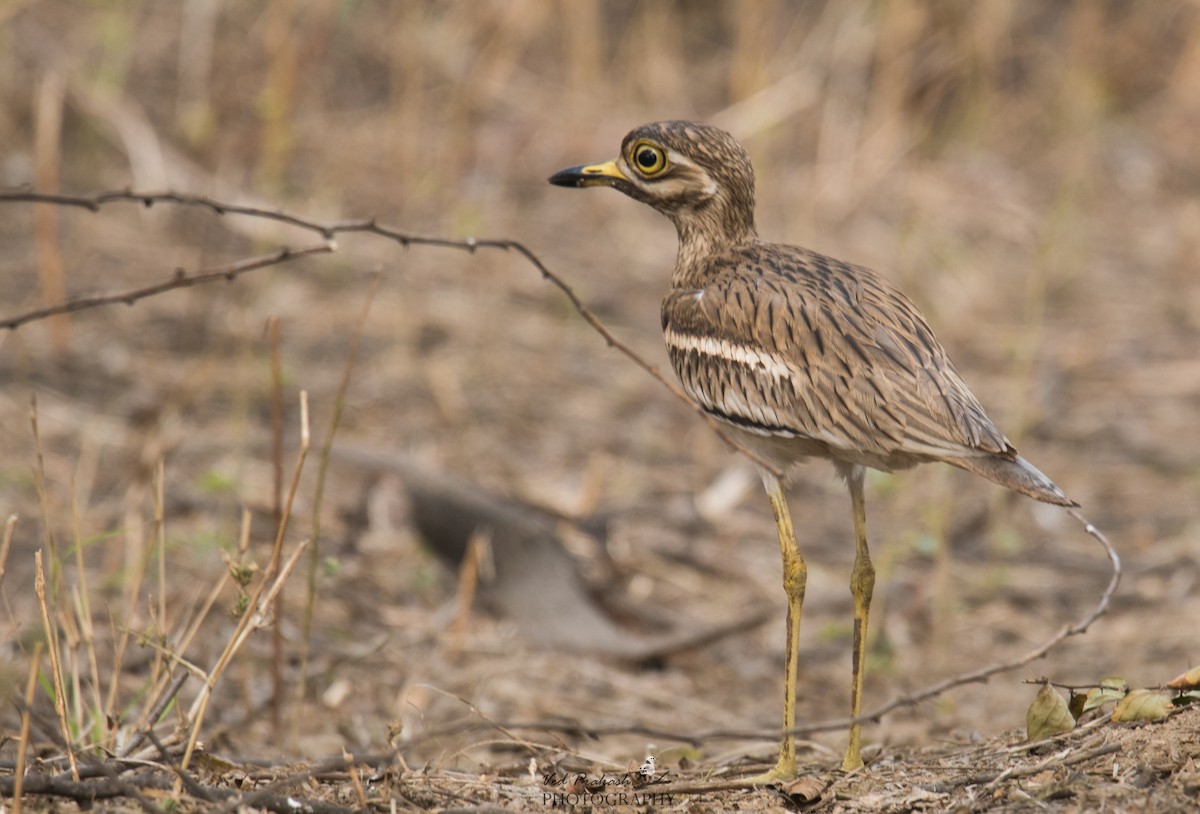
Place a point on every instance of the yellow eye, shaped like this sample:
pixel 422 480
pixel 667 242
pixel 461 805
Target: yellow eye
pixel 649 160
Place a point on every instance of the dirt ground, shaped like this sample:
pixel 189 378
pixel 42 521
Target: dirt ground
pixel 1027 172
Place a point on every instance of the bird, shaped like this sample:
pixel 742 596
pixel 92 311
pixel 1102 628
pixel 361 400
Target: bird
pixel 799 355
pixel 647 768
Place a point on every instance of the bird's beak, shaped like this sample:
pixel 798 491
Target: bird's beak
pixel 588 175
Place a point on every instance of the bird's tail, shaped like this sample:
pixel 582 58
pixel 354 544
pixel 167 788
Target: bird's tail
pixel 1017 474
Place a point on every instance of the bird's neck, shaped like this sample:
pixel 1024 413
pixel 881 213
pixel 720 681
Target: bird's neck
pixel 704 234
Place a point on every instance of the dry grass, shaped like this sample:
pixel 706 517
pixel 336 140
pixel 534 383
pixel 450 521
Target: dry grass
pixel 1027 171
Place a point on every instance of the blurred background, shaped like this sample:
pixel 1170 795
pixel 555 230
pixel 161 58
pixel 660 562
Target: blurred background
pixel 1028 172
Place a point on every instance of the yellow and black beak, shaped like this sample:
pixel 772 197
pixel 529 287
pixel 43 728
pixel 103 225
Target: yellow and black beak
pixel 589 175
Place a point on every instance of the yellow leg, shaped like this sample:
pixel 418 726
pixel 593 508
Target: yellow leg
pixel 862 586
pixel 795 576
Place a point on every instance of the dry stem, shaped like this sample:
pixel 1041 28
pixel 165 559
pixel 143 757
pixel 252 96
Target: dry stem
pixel 60 708
pixel 261 605
pixel 339 405
pixel 181 279
pixel 10 526
pixel 35 663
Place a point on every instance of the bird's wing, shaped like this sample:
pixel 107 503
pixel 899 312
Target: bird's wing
pixel 790 342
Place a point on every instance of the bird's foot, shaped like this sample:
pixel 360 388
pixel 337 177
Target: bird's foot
pixel 783 771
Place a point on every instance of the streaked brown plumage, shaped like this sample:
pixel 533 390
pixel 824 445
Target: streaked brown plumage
pixel 801 354
pixel 847 368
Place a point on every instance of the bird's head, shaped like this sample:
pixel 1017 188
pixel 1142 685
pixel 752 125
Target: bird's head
pixel 695 174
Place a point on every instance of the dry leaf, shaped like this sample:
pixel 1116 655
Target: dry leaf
pixel 1186 681
pixel 1111 689
pixel 1048 715
pixel 804 790
pixel 1142 705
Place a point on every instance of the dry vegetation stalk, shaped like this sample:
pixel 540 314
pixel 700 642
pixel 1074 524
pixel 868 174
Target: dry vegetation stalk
pixel 164 692
pixel 10 526
pixel 276 506
pixel 47 155
pixel 35 664
pixel 339 405
pixel 136 542
pixel 60 708
pixel 352 770
pixel 158 616
pixel 256 616
pixel 160 539
pixel 82 606
pixel 281 528
pixel 261 605
pixel 39 480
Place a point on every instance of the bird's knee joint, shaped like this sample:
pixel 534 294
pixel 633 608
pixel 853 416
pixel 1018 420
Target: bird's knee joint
pixel 795 577
pixel 862 578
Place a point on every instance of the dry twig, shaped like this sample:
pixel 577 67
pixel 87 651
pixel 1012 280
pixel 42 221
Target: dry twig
pixel 181 279
pixel 1066 757
pixel 328 229
pixel 86 792
pixel 346 762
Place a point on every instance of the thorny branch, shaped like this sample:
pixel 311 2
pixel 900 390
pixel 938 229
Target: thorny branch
pixel 180 279
pixel 328 230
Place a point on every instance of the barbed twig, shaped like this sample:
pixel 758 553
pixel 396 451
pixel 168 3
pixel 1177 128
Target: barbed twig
pixel 180 279
pixel 328 230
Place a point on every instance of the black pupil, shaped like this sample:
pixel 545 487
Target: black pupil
pixel 647 158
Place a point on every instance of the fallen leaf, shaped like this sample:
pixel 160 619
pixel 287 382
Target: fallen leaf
pixel 1111 689
pixel 1142 705
pixel 1048 715
pixel 804 790
pixel 1186 681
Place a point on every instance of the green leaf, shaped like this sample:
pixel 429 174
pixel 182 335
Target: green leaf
pixel 1142 705
pixel 1048 715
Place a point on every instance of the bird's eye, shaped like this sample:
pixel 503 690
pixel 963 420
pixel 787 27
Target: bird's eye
pixel 650 160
